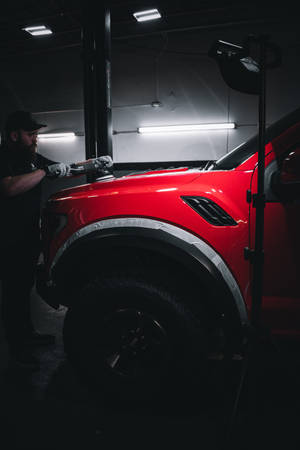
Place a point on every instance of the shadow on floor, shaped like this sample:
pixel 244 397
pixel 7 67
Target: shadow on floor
pixel 52 409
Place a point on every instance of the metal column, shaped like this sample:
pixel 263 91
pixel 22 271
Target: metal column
pixel 96 53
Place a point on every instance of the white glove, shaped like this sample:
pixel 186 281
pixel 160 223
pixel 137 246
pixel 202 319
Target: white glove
pixel 58 170
pixel 103 162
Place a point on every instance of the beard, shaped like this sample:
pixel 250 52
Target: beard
pixel 24 153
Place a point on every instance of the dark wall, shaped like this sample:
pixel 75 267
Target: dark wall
pixel 172 69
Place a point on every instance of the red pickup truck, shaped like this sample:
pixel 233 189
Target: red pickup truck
pixel 152 266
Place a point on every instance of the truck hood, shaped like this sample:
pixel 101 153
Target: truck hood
pixel 145 181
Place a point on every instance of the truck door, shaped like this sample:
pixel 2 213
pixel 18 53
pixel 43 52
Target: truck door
pixel 281 291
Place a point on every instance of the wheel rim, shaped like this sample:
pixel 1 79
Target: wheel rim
pixel 136 344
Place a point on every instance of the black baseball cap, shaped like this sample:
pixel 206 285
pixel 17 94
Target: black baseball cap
pixel 21 120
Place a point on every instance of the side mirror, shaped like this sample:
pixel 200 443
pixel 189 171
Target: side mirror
pixel 290 169
pixel 286 181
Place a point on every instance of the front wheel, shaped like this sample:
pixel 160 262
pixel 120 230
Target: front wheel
pixel 130 333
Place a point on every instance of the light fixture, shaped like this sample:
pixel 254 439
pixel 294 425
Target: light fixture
pixel 149 14
pixel 180 128
pixel 156 104
pixel 40 30
pixel 66 136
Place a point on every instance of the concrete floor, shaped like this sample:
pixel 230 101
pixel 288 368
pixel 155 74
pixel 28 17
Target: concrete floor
pixel 51 410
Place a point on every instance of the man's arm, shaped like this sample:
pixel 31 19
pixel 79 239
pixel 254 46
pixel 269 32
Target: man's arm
pixel 14 185
pixel 54 169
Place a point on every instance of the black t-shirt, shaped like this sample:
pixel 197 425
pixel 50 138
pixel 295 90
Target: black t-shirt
pixel 20 214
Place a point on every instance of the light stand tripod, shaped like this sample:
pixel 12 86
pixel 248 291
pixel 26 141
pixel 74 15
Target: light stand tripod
pixel 241 72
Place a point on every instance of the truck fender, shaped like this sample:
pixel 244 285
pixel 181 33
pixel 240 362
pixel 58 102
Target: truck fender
pixel 193 246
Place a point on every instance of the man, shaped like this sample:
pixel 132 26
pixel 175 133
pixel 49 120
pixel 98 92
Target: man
pixel 22 170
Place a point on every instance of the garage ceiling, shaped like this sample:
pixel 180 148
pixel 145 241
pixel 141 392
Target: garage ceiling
pixel 64 17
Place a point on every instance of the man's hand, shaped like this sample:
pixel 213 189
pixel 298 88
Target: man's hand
pixel 103 162
pixel 58 170
pixel 100 164
pixel 93 165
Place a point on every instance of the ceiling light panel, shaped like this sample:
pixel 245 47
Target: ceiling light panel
pixel 40 30
pixel 150 14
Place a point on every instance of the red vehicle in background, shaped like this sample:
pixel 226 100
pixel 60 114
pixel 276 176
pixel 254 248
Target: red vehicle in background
pixel 152 266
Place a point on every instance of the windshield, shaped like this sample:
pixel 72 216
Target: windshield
pixel 239 154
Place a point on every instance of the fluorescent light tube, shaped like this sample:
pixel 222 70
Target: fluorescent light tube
pixel 180 128
pixel 41 32
pixel 46 136
pixel 150 14
pixel 37 28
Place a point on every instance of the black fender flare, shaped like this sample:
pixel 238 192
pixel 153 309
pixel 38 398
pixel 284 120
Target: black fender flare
pixel 165 238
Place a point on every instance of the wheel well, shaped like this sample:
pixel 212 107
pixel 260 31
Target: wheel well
pixel 174 268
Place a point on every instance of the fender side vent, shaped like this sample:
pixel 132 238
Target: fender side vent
pixel 210 211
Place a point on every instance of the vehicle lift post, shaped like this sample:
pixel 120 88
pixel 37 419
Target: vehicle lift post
pixel 96 58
